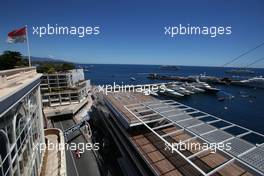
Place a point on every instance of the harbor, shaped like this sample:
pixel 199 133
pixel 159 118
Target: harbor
pixel 132 88
pixel 226 103
pixel 257 82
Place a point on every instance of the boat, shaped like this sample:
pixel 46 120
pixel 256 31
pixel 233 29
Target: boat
pixel 240 72
pixel 213 90
pixel 207 87
pixel 169 67
pixel 222 95
pixel 192 88
pixel 221 98
pixel 182 90
pixel 153 76
pixel 171 93
pixel 257 82
pixel 133 79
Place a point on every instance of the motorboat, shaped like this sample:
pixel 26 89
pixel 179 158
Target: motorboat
pixel 182 90
pixel 169 67
pixel 133 79
pixel 253 82
pixel 222 95
pixel 207 87
pixel 240 72
pixel 192 88
pixel 171 93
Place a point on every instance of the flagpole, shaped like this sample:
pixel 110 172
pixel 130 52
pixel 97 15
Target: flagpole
pixel 29 61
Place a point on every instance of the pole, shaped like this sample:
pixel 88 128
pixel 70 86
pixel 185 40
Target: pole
pixel 29 61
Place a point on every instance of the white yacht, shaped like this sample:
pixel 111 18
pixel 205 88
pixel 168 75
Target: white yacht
pixel 206 87
pixel 182 90
pixel 253 82
pixel 192 88
pixel 171 92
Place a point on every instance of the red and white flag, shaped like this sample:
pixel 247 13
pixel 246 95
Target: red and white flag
pixel 17 36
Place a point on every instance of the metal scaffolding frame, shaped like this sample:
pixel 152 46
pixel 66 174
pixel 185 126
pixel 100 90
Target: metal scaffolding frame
pixel 214 134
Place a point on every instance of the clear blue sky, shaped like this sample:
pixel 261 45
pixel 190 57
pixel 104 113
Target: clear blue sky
pixel 132 32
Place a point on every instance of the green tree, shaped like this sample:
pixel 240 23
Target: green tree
pixel 67 66
pixel 54 67
pixel 12 59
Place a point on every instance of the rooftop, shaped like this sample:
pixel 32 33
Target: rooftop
pixel 58 110
pixel 162 123
pixel 16 79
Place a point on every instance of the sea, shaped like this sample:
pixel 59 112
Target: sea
pixel 247 111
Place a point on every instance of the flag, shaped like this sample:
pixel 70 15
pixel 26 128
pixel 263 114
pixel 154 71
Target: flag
pixel 17 36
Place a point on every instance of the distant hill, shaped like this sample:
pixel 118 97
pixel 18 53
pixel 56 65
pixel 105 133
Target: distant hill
pixel 38 60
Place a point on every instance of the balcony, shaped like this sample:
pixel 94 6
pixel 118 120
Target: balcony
pixel 14 76
pixel 54 161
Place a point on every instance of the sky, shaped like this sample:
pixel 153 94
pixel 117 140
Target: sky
pixel 132 32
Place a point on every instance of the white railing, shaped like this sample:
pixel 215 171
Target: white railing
pixel 12 76
pixel 62 168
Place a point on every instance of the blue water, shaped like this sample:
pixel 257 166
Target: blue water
pixel 244 111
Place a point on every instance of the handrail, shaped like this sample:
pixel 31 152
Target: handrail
pixel 12 76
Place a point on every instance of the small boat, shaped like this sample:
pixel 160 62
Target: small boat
pixel 240 72
pixel 253 82
pixel 133 79
pixel 169 67
pixel 212 90
pixel 222 95
pixel 221 98
pixel 244 95
pixel 153 76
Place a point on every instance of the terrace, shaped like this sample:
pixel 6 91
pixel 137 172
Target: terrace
pixel 14 80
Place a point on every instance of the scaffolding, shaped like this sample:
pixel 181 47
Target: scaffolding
pixel 191 120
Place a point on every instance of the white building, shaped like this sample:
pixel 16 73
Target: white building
pixel 21 127
pixel 21 122
pixel 64 93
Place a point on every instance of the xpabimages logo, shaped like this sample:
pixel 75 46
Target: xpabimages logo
pixel 115 88
pixel 67 146
pixel 79 31
pixel 212 31
pixel 211 147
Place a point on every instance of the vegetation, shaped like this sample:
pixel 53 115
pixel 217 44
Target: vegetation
pixel 12 59
pixel 54 67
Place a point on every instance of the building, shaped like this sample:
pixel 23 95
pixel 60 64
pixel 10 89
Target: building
pixel 21 123
pixel 64 92
pixel 146 129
